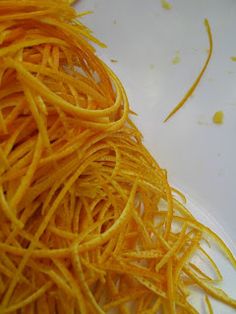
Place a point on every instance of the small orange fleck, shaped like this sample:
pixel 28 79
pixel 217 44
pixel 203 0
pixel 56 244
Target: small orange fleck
pixel 166 5
pixel 218 117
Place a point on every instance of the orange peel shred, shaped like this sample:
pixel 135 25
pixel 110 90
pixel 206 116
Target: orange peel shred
pixel 88 220
pixel 199 77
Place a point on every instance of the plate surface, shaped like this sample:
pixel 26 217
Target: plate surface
pixel 147 41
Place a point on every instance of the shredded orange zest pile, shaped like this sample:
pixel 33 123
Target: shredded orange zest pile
pixel 196 82
pixel 88 220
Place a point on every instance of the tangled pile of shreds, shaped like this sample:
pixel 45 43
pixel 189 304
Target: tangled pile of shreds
pixel 88 221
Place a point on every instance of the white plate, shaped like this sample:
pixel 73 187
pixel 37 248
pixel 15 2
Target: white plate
pixel 199 155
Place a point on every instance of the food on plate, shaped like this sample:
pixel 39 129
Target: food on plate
pixel 88 220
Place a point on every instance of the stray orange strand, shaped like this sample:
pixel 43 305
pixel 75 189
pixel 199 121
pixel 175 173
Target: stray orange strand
pixel 196 82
